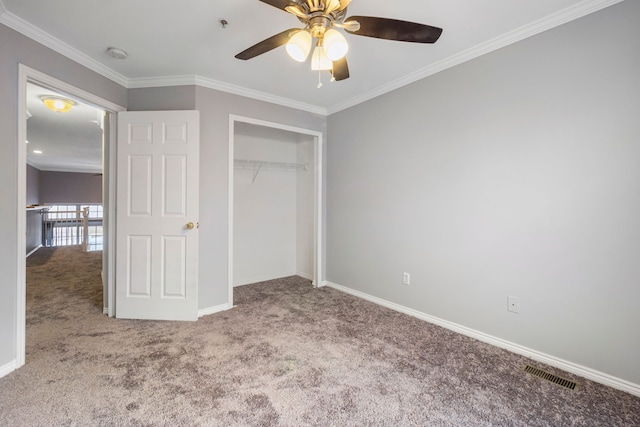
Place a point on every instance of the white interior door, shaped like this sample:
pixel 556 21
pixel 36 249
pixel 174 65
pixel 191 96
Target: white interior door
pixel 157 215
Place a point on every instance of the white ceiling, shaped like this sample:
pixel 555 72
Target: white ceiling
pixel 178 43
pixel 171 42
pixel 68 142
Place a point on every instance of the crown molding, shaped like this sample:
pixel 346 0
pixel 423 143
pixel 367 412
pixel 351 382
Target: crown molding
pixel 161 81
pixel 206 82
pixel 261 96
pixel 551 21
pixel 65 169
pixel 27 29
pixel 20 25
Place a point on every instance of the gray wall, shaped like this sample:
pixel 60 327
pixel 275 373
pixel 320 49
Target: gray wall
pixel 215 108
pixel 16 49
pixel 33 185
pixel 70 187
pixel 162 99
pixel 514 174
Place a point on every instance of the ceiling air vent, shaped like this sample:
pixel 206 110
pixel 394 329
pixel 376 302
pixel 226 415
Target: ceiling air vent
pixel 571 385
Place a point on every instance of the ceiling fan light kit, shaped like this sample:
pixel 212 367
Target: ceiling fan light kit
pixel 320 61
pixel 299 46
pixel 321 18
pixel 335 45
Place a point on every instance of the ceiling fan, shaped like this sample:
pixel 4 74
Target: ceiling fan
pixel 321 19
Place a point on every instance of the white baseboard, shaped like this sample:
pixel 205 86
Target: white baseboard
pixel 201 312
pixel 213 310
pixel 583 371
pixel 257 279
pixel 304 275
pixel 8 368
pixel 34 249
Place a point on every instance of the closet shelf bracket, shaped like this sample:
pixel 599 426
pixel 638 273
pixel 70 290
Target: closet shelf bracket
pixel 255 174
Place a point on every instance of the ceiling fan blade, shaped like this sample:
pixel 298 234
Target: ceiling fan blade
pixel 268 44
pixel 280 4
pixel 393 29
pixel 340 69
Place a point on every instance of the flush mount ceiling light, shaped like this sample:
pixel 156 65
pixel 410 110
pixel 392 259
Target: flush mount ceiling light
pixel 117 53
pixel 322 19
pixel 58 104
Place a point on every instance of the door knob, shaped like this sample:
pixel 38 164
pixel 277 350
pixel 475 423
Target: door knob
pixel 190 226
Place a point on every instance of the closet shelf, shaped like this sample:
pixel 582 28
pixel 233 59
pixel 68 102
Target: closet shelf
pixel 252 164
pixel 258 165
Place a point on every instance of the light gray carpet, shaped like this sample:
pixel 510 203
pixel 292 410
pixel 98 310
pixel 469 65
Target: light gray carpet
pixel 287 355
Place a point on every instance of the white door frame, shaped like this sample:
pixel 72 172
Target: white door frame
pixel 318 205
pixel 30 75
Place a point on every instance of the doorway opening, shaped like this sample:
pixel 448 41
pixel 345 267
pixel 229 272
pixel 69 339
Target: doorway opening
pixel 103 115
pixel 275 202
pixel 64 172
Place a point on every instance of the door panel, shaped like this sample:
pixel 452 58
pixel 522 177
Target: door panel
pixel 139 267
pixel 157 254
pixel 174 254
pixel 175 185
pixel 139 185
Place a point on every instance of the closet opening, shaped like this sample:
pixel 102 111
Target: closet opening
pixel 275 204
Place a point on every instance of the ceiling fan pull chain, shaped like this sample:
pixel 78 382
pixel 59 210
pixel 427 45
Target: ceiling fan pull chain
pixel 319 81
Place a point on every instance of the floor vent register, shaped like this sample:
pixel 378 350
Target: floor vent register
pixel 547 376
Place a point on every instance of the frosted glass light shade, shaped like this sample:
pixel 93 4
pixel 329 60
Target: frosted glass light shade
pixel 57 103
pixel 320 61
pixel 299 46
pixel 335 45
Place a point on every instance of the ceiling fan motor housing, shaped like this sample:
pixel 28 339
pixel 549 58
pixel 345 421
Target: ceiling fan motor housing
pixel 318 10
pixel 318 25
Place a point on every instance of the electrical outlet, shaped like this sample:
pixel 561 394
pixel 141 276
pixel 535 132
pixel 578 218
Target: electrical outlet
pixel 513 304
pixel 406 278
